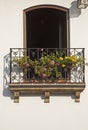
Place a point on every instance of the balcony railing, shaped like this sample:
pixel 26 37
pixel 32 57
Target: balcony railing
pixel 47 71
pixel 51 65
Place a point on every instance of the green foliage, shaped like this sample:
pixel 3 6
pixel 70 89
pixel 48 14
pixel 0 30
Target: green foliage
pixel 22 61
pixel 49 65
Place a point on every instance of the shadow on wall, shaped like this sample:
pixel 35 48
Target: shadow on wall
pixel 6 76
pixel 74 11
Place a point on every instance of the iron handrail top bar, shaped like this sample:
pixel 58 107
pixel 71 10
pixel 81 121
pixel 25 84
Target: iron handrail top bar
pixel 47 48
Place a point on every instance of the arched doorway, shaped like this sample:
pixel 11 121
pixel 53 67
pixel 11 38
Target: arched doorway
pixel 46 26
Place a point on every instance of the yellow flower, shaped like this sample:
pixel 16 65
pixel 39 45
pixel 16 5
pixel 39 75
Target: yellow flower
pixel 67 57
pixel 60 58
pixel 73 58
pixel 63 65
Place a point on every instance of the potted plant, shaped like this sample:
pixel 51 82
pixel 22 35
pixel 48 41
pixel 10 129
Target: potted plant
pixel 50 67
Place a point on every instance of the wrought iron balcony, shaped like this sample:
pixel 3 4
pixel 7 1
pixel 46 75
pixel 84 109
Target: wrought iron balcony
pixel 47 70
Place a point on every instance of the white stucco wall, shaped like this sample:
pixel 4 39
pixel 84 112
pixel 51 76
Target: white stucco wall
pixel 62 113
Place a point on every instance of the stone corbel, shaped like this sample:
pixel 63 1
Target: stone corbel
pixel 47 97
pixel 16 97
pixel 77 99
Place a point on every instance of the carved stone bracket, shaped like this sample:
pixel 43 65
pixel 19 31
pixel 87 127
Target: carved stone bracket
pixel 77 99
pixel 47 90
pixel 47 96
pixel 16 97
